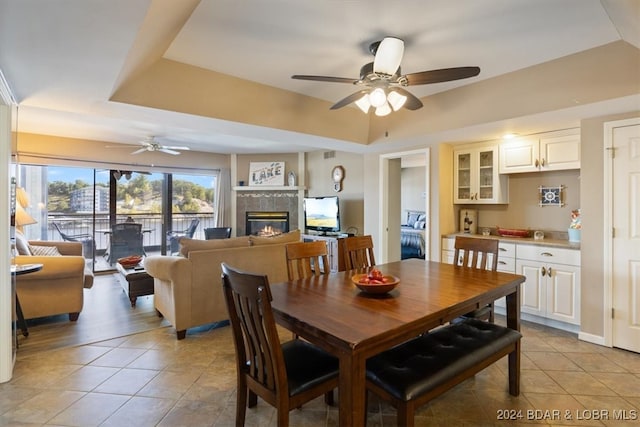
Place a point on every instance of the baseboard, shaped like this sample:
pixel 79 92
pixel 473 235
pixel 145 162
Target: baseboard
pixel 593 339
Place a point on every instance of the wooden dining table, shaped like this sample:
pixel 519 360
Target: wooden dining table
pixel 332 313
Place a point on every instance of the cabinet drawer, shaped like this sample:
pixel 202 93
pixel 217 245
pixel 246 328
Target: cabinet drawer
pixel 507 250
pixel 508 265
pixel 448 244
pixel 548 254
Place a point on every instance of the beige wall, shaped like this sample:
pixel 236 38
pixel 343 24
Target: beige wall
pixel 413 189
pixel 319 183
pixel 45 149
pixel 523 210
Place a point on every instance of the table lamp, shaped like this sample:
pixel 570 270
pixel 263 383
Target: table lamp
pixel 22 217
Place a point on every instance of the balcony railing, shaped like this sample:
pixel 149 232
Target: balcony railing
pixel 84 224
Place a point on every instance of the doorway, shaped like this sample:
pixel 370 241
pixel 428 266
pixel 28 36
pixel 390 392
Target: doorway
pixel 622 246
pixel 391 215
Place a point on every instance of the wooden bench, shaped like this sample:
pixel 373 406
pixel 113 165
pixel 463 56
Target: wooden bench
pixel 413 373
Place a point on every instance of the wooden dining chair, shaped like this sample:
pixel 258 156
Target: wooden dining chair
pixel 306 259
pixel 358 252
pixel 284 375
pixel 472 252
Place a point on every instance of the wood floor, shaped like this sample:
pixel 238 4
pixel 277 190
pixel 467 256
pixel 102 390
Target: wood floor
pixel 107 314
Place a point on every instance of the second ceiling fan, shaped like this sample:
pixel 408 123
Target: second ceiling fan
pixel 382 83
pixel 150 144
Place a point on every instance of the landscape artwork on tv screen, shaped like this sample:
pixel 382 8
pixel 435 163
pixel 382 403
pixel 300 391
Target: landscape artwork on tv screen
pixel 322 214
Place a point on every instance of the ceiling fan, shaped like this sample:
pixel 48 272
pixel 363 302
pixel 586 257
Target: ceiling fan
pixel 150 144
pixel 382 82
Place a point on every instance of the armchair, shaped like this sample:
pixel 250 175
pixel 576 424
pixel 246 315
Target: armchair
pixel 173 237
pixel 88 243
pixel 59 287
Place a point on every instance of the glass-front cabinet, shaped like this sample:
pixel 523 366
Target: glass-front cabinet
pixel 476 178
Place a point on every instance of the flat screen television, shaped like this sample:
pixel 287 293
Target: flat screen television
pixel 322 214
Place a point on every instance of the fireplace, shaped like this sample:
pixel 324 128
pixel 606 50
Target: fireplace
pixel 266 223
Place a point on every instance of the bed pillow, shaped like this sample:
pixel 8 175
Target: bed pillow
pixel 419 225
pixel 412 218
pixel 44 250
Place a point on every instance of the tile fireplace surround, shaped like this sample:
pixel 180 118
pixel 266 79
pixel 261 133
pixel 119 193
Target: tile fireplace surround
pixel 267 201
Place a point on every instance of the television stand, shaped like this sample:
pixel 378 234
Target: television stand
pixel 335 248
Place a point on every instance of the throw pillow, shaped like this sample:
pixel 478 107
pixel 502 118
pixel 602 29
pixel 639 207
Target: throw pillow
pixel 22 244
pixel 419 225
pixel 187 245
pixel 44 250
pixel 292 236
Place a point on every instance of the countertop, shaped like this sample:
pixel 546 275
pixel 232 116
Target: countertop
pixel 558 243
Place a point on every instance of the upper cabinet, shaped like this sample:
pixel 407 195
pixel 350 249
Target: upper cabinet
pixel 543 152
pixel 476 178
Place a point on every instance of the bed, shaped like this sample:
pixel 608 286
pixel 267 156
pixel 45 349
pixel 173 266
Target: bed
pixel 412 233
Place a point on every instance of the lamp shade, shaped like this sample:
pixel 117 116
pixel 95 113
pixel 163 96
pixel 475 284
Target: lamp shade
pixel 22 217
pixel 22 198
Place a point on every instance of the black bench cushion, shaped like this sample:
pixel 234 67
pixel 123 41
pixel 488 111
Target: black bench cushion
pixel 423 363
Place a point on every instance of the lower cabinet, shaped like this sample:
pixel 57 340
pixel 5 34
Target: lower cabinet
pixel 551 291
pixel 552 287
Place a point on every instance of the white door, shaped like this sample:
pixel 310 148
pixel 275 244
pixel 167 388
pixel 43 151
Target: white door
pixel 626 240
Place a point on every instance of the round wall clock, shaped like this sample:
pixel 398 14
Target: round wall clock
pixel 337 175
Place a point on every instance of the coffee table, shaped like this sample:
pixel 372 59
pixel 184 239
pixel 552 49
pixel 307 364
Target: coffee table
pixel 135 281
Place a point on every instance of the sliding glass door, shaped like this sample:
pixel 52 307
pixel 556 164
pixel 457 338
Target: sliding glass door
pixel 72 203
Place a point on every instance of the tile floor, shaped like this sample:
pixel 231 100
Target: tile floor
pixel 150 379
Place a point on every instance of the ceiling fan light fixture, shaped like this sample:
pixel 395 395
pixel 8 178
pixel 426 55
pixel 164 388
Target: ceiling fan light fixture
pixel 363 103
pixel 383 110
pixel 377 97
pixel 396 100
pixel 388 56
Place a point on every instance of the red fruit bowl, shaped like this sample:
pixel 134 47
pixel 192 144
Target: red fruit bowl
pixel 130 261
pixel 375 288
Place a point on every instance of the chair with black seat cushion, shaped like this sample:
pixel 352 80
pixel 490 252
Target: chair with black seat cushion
pixel 217 233
pixel 284 375
pixel 173 237
pixel 358 252
pixel 307 259
pixel 88 243
pixel 472 252
pixel 125 240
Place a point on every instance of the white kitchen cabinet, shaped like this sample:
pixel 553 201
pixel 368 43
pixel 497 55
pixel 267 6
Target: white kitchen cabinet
pixel 551 291
pixel 476 177
pixel 552 286
pixel 543 152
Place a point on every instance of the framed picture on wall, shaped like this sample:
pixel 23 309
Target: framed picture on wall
pixel 266 173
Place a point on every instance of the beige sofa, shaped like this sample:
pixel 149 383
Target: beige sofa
pixel 188 287
pixel 59 287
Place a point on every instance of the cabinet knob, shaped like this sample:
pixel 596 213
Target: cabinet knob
pixel 543 272
pixel 537 163
pixel 549 271
pixel 546 254
pixel 542 163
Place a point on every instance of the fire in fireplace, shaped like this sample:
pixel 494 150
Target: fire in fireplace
pixel 266 223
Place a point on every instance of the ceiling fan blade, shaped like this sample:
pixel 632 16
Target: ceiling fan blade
pixel 442 75
pixel 388 56
pixel 140 150
pixel 176 147
pixel 413 102
pixel 349 99
pixel 325 79
pixel 168 151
